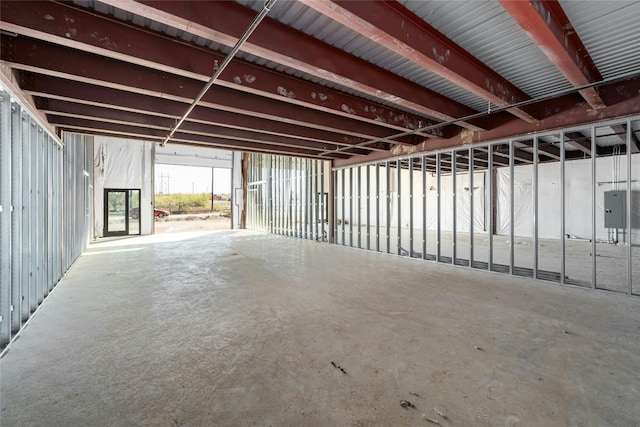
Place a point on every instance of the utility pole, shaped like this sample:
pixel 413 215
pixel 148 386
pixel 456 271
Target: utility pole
pixel 212 189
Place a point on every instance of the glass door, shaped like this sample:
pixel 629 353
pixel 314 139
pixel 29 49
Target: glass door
pixel 121 212
pixel 134 211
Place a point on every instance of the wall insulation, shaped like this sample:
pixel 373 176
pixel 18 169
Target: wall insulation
pixel 578 193
pixel 45 211
pixel 123 164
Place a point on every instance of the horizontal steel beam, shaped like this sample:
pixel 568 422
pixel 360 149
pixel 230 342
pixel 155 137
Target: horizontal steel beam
pixel 142 117
pixel 67 63
pixel 392 25
pixel 547 24
pixel 93 114
pixel 156 135
pixel 117 41
pixel 224 22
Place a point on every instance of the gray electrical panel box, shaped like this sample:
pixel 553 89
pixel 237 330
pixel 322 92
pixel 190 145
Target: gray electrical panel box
pixel 615 209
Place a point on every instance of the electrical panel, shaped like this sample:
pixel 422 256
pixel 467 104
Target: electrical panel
pixel 615 209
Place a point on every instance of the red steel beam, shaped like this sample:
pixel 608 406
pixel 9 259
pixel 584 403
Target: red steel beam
pixel 53 88
pixel 547 24
pixel 45 58
pixel 94 113
pixel 135 109
pixel 622 99
pixel 95 34
pixel 224 22
pixel 87 94
pixel 90 126
pixel 392 25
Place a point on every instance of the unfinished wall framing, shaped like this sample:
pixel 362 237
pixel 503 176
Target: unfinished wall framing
pixel 560 206
pixel 288 196
pixel 43 229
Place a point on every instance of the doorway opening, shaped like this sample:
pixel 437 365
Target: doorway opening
pixel 121 212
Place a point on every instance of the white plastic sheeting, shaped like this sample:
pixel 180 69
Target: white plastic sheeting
pixel 123 164
pixel 463 202
pixel 578 196
pixel 463 199
pixel 236 189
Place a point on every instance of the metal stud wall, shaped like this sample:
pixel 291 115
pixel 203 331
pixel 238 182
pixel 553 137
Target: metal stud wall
pixel 534 206
pixel 288 196
pixel 44 211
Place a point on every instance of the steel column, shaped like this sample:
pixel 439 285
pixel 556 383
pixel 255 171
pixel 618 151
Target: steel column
pixel 511 208
pixel 411 207
pixel 439 207
pixel 491 207
pixel 342 204
pixel 49 213
pixel 377 207
pixel 351 206
pixel 25 212
pixel 628 213
pixel 368 180
pixel 536 147
pixel 423 169
pixel 316 199
pixel 563 238
pixel 41 285
pixel 471 209
pixel 321 206
pixel 454 233
pixel 33 218
pixel 5 218
pixel 398 207
pixel 594 151
pixel 16 217
pixel 297 173
pixel 358 206
pixel 388 175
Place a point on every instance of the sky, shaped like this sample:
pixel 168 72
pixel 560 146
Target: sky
pixel 171 179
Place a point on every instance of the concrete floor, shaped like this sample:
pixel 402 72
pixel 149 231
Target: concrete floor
pixel 235 328
pixel 611 260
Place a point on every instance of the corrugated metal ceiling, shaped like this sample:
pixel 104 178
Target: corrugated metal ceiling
pixel 483 28
pixel 319 26
pixel 609 31
pixel 489 33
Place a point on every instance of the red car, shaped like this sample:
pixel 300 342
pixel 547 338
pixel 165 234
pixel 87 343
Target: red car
pixel 158 213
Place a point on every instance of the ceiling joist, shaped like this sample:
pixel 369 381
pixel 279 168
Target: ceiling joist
pixel 395 27
pixel 548 25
